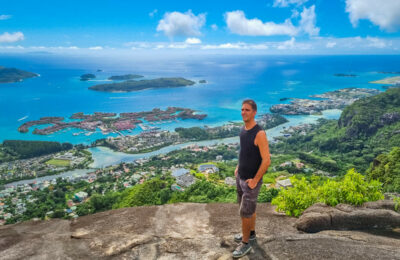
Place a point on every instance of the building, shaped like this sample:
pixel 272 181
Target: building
pixel 286 183
pixel 80 196
pixel 179 172
pixel 230 181
pixel 208 168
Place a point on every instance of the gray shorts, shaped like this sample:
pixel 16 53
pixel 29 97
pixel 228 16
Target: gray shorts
pixel 247 198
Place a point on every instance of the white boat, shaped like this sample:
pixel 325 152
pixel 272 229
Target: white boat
pixel 23 118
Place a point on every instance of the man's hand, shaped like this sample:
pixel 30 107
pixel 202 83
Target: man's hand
pixel 252 183
pixel 236 171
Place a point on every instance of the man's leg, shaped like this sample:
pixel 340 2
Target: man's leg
pixel 253 222
pixel 248 225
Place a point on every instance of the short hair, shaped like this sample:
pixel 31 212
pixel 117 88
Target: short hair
pixel 250 102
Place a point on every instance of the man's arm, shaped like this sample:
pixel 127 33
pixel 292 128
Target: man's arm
pixel 262 143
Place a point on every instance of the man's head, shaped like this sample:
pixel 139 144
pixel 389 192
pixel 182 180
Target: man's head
pixel 249 110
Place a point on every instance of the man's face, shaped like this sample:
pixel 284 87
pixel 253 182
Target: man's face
pixel 248 113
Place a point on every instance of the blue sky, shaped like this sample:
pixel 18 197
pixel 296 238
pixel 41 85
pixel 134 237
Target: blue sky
pixel 269 26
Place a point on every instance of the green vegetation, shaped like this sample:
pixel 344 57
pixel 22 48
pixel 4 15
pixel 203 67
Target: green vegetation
pixel 132 85
pixel 86 77
pixel 20 149
pixel 367 128
pixel 58 162
pixel 125 77
pixel 352 189
pixel 10 75
pixel 386 169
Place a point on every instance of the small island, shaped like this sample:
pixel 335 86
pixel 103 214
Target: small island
pixel 202 81
pixel 133 85
pixel 125 77
pixel 345 75
pixel 86 77
pixel 11 75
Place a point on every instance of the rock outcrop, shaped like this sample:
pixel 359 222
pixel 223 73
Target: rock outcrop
pixel 185 231
pixel 373 215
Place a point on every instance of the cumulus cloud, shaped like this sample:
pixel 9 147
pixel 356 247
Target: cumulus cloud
pixel 183 24
pixel 5 17
pixel 193 41
pixel 308 21
pixel 286 3
pixel 384 14
pixel 239 24
pixel 11 37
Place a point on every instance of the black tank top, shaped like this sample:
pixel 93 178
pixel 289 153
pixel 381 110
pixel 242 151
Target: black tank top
pixel 249 155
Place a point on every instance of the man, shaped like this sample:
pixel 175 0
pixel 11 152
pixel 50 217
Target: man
pixel 254 160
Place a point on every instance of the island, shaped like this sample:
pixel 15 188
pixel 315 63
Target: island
pixel 11 75
pixel 133 85
pixel 110 122
pixel 344 75
pixel 86 77
pixel 337 99
pixel 125 77
pixel 202 81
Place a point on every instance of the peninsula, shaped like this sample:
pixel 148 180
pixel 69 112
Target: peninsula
pixel 133 85
pixel 10 75
pixel 337 99
pixel 125 77
pixel 390 81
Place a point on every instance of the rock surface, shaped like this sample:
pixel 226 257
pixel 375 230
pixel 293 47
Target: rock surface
pixel 186 231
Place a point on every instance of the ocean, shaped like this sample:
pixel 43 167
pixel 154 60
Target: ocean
pixel 230 79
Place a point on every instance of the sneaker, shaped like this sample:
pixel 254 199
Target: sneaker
pixel 241 250
pixel 238 237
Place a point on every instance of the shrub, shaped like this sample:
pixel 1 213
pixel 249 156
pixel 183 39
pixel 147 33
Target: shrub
pixel 352 189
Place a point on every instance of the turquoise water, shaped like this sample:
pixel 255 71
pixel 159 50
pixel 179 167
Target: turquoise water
pixel 59 92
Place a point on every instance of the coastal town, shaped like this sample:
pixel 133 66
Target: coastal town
pixel 110 122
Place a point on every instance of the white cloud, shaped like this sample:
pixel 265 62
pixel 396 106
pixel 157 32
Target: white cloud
pixel 286 3
pixel 11 37
pixel 330 44
pixel 377 43
pixel 96 48
pixel 289 44
pixel 5 17
pixel 308 21
pixel 152 13
pixel 239 24
pixel 193 41
pixel 383 13
pixel 184 24
pixel 239 45
pixel 178 46
pixel 214 27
